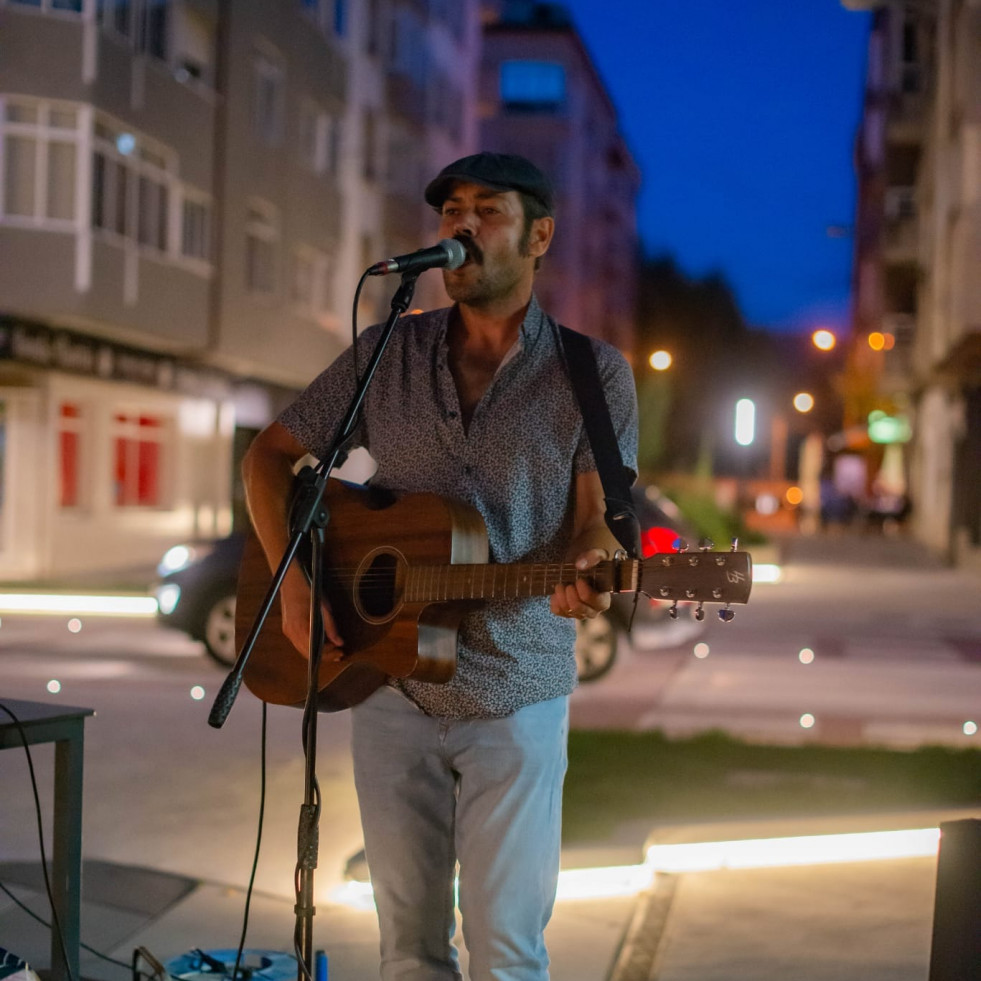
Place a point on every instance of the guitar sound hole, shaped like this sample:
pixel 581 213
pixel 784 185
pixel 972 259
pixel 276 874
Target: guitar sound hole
pixel 377 586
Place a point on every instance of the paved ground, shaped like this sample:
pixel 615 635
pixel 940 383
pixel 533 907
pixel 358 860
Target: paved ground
pixel 896 640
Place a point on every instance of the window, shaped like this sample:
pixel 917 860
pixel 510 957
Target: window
pixel 309 285
pixel 327 14
pixel 109 193
pixel 70 424
pixel 39 155
pixel 532 86
pixel 268 88
pixel 151 218
pixel 373 33
pixel 369 161
pixel 196 230
pixel 136 194
pixel 68 6
pixel 318 142
pixel 261 239
pixel 138 442
pixel 155 28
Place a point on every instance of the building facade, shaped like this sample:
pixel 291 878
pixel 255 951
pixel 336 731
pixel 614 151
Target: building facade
pixel 917 252
pixel 190 191
pixel 541 96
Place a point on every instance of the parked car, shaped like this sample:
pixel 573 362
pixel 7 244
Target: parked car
pixel 196 593
pixel 197 586
pixel 652 627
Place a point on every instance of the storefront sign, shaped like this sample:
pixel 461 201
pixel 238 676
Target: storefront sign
pixel 65 350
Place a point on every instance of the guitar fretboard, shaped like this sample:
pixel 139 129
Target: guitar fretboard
pixel 442 583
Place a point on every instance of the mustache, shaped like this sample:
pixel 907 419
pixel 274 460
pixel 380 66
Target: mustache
pixel 473 250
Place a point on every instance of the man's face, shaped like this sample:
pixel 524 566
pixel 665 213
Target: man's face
pixel 500 256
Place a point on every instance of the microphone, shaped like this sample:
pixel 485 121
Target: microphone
pixel 449 253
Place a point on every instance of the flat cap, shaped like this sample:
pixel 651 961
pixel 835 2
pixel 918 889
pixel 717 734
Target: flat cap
pixel 499 171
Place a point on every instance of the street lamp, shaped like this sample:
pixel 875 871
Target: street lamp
pixel 803 401
pixel 660 360
pixel 745 431
pixel 823 340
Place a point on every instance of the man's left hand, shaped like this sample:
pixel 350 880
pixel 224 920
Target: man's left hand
pixel 578 600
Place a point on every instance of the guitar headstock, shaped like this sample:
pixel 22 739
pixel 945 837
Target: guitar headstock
pixel 698 577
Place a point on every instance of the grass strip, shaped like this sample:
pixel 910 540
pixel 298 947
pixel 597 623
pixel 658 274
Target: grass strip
pixel 616 777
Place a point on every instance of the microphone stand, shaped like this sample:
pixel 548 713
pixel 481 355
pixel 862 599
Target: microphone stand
pixel 308 519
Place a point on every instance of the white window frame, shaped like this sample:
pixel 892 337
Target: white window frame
pixel 312 303
pixel 195 198
pixel 48 7
pixel 80 427
pixel 43 134
pixel 268 122
pixel 314 136
pixel 130 429
pixel 262 224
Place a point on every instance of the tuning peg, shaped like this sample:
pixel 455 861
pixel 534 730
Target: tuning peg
pixel 726 615
pixel 700 612
pixel 706 545
pixel 673 612
pixel 735 545
pixel 680 545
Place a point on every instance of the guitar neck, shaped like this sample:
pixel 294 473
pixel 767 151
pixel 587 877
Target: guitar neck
pixel 442 583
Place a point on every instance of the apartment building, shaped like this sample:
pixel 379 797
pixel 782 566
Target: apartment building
pixel 189 191
pixel 541 96
pixel 917 251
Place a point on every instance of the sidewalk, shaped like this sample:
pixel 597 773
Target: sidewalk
pixel 861 920
pixel 867 921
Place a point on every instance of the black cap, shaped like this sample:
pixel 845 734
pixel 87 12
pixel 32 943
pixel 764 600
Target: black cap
pixel 500 171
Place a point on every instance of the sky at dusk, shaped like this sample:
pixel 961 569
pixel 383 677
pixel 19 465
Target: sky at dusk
pixel 742 116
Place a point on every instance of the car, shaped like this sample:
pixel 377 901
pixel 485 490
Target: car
pixel 650 623
pixel 196 593
pixel 198 581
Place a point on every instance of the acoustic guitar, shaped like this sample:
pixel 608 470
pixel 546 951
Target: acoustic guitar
pixel 402 572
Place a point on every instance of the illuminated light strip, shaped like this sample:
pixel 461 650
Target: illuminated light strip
pixel 604 883
pixel 50 603
pixel 766 572
pixel 611 882
pixel 707 856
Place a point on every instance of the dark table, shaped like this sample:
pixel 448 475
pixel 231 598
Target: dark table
pixel 63 725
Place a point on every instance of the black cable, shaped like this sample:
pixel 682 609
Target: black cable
pixel 40 919
pixel 354 327
pixel 40 834
pixel 258 842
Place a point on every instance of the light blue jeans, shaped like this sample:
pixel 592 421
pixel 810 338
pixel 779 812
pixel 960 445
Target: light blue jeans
pixel 484 792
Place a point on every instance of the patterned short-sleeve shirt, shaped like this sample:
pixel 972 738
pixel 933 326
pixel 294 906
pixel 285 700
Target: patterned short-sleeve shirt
pixel 516 464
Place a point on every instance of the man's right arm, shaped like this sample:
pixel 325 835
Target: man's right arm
pixel 267 471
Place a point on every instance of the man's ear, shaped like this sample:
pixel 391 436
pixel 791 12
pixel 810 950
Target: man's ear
pixel 540 238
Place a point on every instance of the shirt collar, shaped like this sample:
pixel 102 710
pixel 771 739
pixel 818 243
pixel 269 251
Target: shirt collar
pixel 528 333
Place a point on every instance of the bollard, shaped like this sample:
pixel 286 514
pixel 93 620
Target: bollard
pixel 955 953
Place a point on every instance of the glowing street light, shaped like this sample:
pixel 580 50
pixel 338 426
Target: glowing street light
pixel 803 401
pixel 823 340
pixel 745 422
pixel 660 360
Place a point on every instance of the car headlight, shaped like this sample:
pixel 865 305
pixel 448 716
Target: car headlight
pixel 180 557
pixel 168 596
pixel 176 558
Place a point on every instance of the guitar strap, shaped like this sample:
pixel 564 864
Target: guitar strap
pixel 580 362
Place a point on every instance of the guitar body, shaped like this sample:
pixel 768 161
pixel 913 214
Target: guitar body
pixel 370 543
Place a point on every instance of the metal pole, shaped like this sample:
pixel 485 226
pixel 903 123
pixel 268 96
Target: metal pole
pixel 955 953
